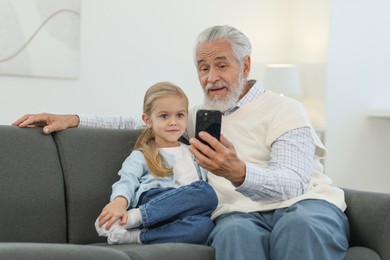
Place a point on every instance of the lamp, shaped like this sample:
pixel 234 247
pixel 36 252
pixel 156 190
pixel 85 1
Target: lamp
pixel 282 79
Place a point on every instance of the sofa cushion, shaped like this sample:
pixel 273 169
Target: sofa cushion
pixel 31 187
pixel 89 172
pixel 41 251
pixel 165 251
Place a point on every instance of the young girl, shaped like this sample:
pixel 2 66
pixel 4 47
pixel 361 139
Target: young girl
pixel 166 191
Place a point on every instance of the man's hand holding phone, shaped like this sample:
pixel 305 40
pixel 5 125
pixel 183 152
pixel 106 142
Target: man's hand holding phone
pixel 218 155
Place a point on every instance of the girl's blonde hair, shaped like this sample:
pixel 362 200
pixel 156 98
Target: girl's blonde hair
pixel 146 141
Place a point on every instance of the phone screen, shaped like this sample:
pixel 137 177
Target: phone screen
pixel 208 121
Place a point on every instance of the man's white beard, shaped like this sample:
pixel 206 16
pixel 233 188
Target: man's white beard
pixel 229 101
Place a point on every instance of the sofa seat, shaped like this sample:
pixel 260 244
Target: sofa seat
pixel 173 251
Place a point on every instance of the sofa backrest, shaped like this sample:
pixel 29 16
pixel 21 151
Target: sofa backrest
pixel 90 159
pixel 32 197
pixel 53 187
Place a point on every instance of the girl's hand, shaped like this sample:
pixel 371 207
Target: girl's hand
pixel 113 211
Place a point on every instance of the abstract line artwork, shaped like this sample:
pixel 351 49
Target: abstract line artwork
pixel 40 38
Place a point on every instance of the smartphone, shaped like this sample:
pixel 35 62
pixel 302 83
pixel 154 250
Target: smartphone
pixel 208 121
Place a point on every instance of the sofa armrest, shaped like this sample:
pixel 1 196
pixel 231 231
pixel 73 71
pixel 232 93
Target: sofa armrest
pixel 369 220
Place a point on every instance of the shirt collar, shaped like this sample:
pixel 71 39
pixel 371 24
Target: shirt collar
pixel 255 90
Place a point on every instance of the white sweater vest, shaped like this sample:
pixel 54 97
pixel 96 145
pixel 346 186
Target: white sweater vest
pixel 252 129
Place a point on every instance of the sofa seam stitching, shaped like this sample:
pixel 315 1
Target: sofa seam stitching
pixel 58 144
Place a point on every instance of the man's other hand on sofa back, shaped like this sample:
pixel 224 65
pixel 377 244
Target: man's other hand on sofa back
pixel 50 122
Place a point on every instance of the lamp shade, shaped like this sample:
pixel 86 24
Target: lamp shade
pixel 282 79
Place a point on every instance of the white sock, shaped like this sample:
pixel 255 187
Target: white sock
pixel 132 237
pixel 123 236
pixel 134 219
pixel 102 230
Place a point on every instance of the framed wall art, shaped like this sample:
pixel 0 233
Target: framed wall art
pixel 40 38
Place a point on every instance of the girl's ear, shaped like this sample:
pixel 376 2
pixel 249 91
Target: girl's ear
pixel 147 120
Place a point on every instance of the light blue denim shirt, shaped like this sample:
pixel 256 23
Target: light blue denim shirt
pixel 135 177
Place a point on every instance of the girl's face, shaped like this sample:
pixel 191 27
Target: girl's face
pixel 168 120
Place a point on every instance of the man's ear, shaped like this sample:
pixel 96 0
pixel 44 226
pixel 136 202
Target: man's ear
pixel 147 120
pixel 247 66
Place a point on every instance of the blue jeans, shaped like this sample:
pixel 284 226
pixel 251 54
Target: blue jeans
pixel 177 214
pixel 309 229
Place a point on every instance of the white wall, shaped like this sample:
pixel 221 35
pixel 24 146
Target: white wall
pixel 126 46
pixel 359 65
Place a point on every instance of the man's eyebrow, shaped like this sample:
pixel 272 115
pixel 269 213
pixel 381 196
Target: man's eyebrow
pixel 200 61
pixel 221 58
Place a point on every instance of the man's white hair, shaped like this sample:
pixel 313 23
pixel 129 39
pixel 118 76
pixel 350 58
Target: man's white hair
pixel 240 43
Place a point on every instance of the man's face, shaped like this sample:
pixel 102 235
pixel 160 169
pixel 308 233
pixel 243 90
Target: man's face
pixel 220 74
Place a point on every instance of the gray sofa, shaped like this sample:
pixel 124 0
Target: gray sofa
pixel 52 188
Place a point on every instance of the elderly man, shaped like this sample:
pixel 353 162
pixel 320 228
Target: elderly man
pixel 274 200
